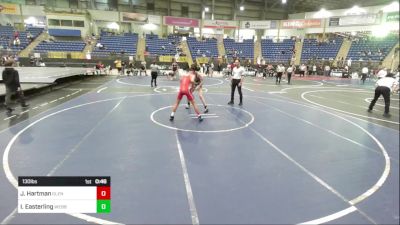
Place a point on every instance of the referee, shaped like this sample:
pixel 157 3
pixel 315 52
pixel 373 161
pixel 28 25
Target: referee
pixel 236 81
pixel 384 87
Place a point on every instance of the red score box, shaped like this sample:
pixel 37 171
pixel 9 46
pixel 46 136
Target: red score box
pixel 103 193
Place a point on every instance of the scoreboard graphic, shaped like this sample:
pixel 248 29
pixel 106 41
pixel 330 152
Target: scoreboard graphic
pixel 64 194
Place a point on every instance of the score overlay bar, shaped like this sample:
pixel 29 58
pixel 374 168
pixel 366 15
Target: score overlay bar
pixel 64 194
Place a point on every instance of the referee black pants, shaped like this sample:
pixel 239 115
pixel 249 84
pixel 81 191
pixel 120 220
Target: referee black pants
pixel 289 77
pixel 278 77
pixel 381 90
pixel 154 78
pixel 235 83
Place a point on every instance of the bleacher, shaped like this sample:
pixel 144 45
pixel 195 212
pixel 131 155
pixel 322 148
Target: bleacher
pixel 116 43
pixel 7 37
pixel 369 49
pixel 312 49
pixel 277 52
pixel 207 48
pixel 243 49
pixel 60 46
pixel 162 46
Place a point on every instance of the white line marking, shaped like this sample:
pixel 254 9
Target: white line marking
pixel 324 106
pixel 68 155
pixel 53 101
pixel 101 89
pixel 322 128
pixel 24 111
pixel 204 117
pixel 67 96
pixel 61 98
pixel 10 117
pixel 203 131
pixel 315 96
pixel 189 193
pixel 245 88
pixel 209 114
pixel 11 216
pixel 332 216
pixel 35 107
pixel 385 172
pixel 46 103
pixel 276 92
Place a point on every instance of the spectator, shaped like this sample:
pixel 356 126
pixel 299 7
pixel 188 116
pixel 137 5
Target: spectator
pixel 327 70
pixel 17 42
pixel 11 80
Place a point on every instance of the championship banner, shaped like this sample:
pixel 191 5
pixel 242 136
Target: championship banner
pixel 201 60
pixel 258 24
pixel 57 55
pixel 357 20
pixel 140 18
pixel 220 24
pixel 334 22
pixel 297 24
pixel 367 19
pixel 77 55
pixel 169 58
pixel 6 8
pixel 181 21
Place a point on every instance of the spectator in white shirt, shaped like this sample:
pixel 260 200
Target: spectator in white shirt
pixel 237 81
pixel 314 69
pixel 364 73
pixel 384 87
pixel 303 69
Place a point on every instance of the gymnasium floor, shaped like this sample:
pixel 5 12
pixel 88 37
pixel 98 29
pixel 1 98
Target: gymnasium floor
pixel 302 153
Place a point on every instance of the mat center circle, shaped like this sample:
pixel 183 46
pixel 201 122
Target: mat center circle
pixel 219 119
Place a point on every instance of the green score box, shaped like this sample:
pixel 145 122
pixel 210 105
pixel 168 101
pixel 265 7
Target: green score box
pixel 103 206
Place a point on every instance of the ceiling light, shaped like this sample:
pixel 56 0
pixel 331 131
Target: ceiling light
pixel 206 9
pixel 283 1
pixel 241 8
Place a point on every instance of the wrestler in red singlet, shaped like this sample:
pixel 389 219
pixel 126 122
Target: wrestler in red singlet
pixel 185 86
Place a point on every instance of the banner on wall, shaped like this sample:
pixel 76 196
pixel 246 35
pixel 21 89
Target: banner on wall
pixel 392 17
pixel 169 58
pixel 367 19
pixel 220 24
pixel 258 24
pixel 140 18
pixel 334 22
pixel 181 21
pixel 297 24
pixel 202 60
pixel 6 8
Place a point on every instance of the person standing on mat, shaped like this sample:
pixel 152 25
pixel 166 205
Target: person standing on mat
pixel 184 89
pixel 384 88
pixel 364 73
pixel 154 73
pixel 289 72
pixel 237 81
pixel 279 71
pixel 11 80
